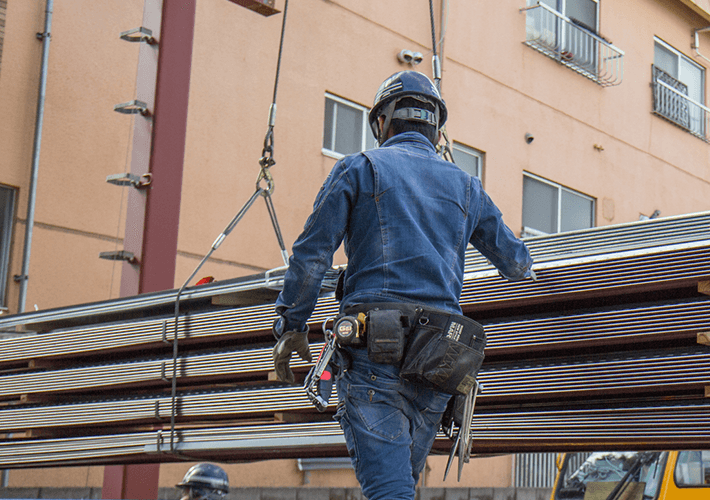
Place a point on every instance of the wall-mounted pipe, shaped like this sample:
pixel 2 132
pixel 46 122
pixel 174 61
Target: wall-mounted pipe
pixel 32 195
pixel 696 42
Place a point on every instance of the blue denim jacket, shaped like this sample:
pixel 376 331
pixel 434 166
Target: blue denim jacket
pixel 405 216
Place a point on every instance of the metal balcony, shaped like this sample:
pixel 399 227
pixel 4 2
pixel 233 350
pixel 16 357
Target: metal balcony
pixel 670 101
pixel 574 45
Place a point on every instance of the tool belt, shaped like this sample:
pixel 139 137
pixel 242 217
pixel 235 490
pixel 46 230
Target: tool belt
pixel 433 348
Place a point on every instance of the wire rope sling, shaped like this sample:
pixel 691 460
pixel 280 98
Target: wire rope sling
pixel 443 149
pixel 264 188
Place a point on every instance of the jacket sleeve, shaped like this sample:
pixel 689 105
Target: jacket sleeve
pixel 312 253
pixel 498 244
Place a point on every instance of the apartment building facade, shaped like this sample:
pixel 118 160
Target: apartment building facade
pixel 574 113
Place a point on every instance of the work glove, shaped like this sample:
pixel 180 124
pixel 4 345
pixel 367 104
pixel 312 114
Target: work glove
pixel 286 345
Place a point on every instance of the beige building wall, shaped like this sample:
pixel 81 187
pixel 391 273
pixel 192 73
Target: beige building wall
pixel 603 142
pixel 485 472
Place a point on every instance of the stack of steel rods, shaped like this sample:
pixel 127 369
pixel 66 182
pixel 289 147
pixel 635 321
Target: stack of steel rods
pixel 616 326
pixel 611 340
pixel 686 426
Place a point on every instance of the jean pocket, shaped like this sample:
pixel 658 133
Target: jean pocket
pixel 378 410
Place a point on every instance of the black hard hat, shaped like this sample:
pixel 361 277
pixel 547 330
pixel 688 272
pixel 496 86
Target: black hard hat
pixel 206 481
pixel 407 84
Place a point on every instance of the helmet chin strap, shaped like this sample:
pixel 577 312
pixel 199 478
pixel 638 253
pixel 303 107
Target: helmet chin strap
pixel 387 112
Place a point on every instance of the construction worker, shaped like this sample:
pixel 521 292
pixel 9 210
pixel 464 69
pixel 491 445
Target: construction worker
pixel 204 481
pixel 405 216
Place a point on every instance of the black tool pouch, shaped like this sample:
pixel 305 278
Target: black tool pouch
pixel 446 359
pixel 386 335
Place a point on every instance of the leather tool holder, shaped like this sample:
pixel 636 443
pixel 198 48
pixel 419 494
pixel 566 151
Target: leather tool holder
pixel 446 359
pixel 386 335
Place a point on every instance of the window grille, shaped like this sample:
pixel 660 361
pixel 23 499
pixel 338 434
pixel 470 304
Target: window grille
pixel 535 470
pixel 671 101
pixel 573 44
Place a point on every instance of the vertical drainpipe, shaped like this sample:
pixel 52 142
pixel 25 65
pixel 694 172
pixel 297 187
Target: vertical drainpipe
pixel 45 37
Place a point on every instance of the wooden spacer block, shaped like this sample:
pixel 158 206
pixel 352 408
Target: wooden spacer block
pixel 704 338
pixel 704 287
pixel 707 391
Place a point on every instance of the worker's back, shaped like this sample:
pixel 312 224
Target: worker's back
pixel 409 226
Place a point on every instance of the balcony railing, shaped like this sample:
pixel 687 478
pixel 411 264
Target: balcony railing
pixel 574 45
pixel 670 101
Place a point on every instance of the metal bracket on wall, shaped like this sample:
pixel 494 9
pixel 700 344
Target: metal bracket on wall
pixel 139 35
pixel 128 179
pixel 264 7
pixel 132 108
pixel 119 255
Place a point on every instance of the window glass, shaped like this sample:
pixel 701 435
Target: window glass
pixel 550 208
pixel 345 128
pixel 468 159
pixel 7 208
pixel 348 126
pixel 666 60
pixel 690 74
pixel 584 11
pixel 539 205
pixel 594 475
pixel 693 468
pixel 329 124
pixel 577 211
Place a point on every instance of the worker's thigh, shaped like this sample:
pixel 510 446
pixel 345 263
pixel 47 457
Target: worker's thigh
pixel 389 426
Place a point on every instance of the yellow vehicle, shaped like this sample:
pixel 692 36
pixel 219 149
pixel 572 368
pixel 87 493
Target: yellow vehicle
pixel 665 475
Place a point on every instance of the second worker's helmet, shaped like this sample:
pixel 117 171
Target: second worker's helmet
pixel 205 481
pixel 398 86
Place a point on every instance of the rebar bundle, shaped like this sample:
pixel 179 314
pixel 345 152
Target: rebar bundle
pixel 609 348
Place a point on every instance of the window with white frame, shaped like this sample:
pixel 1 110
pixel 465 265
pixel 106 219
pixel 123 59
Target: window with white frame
pixel 345 128
pixel 679 89
pixel 468 159
pixel 551 208
pixel 7 214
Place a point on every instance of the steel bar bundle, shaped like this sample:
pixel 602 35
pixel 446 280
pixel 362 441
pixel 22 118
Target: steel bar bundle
pixel 595 241
pixel 629 325
pixel 611 341
pixel 624 427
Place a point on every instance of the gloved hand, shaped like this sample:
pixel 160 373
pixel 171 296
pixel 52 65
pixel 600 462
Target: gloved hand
pixel 286 345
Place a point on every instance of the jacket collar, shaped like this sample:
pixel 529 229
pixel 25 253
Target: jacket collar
pixel 414 137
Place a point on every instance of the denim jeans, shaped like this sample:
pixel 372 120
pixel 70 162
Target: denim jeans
pixel 389 426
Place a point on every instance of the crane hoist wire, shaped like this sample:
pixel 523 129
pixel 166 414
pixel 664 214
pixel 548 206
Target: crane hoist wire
pixel 444 150
pixel 264 188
